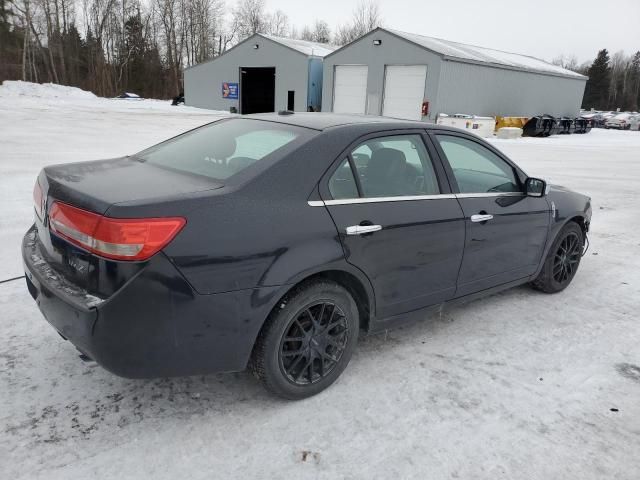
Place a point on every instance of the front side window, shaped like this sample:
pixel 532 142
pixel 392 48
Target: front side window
pixel 476 168
pixel 221 149
pixel 388 167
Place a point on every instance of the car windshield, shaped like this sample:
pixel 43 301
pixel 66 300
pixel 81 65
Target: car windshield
pixel 221 149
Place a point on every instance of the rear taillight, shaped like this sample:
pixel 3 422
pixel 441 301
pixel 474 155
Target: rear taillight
pixel 38 200
pixel 116 238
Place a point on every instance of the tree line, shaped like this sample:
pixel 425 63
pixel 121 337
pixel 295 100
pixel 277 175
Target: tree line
pixel 111 46
pixel 614 81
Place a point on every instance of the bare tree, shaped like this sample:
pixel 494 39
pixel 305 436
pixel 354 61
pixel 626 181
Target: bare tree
pixel 249 17
pixel 365 17
pixel 321 32
pixel 305 34
pixel 278 24
pixel 619 68
pixel 570 62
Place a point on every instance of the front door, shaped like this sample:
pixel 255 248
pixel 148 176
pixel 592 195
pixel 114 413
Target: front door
pixel 398 221
pixel 506 230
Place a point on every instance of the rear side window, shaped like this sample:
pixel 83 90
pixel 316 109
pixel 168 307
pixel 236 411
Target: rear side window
pixel 393 166
pixel 222 149
pixel 342 184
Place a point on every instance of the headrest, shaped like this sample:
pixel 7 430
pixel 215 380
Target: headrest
pixel 386 163
pixel 225 147
pixel 239 163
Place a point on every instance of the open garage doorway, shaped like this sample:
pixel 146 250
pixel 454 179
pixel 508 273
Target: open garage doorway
pixel 257 89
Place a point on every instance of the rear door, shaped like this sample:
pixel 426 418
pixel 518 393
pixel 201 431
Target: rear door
pixel 404 91
pixel 350 88
pixel 506 230
pixel 397 220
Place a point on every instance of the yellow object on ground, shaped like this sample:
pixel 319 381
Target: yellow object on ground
pixel 517 122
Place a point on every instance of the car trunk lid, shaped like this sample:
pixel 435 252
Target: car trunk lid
pixel 94 187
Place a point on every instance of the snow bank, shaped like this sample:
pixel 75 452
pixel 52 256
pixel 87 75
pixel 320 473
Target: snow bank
pixel 11 88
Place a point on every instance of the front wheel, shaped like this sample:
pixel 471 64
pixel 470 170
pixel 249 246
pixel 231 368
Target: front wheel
pixel 562 261
pixel 307 340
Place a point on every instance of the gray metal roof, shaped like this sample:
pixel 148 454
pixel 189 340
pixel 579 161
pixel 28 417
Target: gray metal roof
pixel 312 49
pixel 462 52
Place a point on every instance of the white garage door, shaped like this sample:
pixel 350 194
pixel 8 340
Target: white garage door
pixel 350 88
pixel 404 91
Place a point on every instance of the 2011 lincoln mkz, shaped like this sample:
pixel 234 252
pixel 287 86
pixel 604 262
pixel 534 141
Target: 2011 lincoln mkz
pixel 273 241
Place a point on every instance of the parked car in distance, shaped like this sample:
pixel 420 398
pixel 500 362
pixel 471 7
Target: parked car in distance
pixel 128 96
pixel 619 121
pixel 274 241
pixel 634 122
pixel 598 119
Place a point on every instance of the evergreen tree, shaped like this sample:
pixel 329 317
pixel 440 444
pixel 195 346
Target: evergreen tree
pixel 75 55
pixel 11 39
pixel 596 94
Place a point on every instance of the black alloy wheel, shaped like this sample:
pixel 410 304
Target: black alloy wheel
pixel 307 341
pixel 314 343
pixel 562 261
pixel 567 258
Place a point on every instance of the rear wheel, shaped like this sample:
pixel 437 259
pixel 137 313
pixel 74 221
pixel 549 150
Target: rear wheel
pixel 307 341
pixel 562 260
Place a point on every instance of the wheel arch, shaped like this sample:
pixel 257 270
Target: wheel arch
pixel 356 283
pixel 578 218
pixel 359 288
pixel 581 221
pixel 351 279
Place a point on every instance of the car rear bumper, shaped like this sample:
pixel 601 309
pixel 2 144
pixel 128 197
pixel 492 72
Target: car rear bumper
pixel 155 325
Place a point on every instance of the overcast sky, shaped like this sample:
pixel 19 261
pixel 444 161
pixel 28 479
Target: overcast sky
pixel 541 28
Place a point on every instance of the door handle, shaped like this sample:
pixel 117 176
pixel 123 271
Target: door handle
pixel 362 229
pixel 481 218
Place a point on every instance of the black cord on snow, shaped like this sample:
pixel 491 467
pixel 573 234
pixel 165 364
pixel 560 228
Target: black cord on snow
pixel 586 246
pixel 11 279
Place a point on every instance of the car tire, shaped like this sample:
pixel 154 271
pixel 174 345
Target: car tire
pixel 307 341
pixel 562 261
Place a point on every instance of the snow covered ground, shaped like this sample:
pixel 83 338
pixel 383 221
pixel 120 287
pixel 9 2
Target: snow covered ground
pixel 46 124
pixel 521 385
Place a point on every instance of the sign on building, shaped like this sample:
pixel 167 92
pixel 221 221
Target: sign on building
pixel 230 90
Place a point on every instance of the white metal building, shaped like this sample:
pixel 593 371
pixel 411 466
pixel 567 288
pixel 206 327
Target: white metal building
pixel 404 75
pixel 263 73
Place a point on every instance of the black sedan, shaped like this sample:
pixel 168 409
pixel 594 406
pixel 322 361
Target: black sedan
pixel 273 241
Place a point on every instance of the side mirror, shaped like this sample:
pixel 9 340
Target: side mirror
pixel 535 187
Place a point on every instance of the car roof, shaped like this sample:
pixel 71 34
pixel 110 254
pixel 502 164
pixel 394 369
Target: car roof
pixel 322 121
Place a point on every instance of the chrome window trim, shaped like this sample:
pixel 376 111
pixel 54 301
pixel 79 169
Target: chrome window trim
pixel 492 194
pixel 405 198
pixel 409 198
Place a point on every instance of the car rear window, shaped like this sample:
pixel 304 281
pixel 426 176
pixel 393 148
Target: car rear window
pixel 222 149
